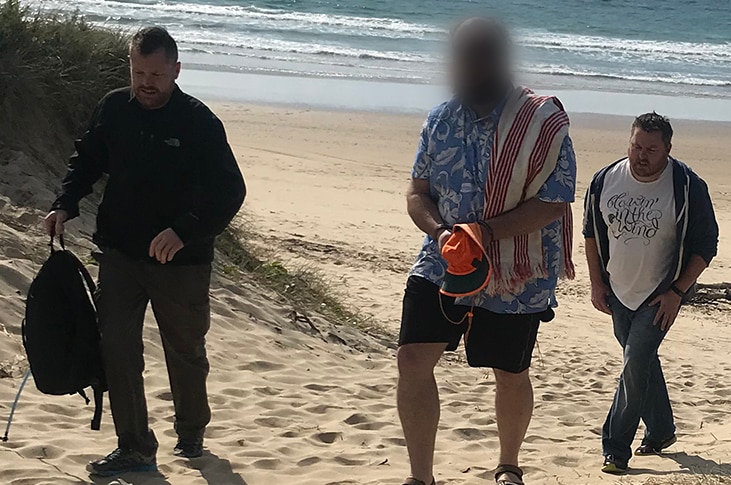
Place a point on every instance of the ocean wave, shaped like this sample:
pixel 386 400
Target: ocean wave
pixel 283 19
pixel 584 43
pixel 280 45
pixel 665 78
pixel 401 46
pixel 426 69
pixel 238 21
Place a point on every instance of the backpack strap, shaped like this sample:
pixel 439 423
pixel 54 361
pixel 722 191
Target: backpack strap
pixel 96 421
pixel 82 393
pixel 60 243
pixel 97 388
pixel 87 278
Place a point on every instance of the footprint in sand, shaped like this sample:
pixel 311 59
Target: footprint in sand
pixel 350 461
pixel 328 437
pixel 309 461
pixel 472 434
pixel 356 419
pixel 260 366
pixel 268 464
pixel 320 387
pixel 272 422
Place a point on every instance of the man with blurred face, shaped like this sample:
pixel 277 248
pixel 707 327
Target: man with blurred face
pixel 650 232
pixel 173 186
pixel 491 188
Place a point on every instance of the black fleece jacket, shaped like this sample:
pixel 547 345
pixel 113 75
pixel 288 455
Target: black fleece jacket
pixel 168 168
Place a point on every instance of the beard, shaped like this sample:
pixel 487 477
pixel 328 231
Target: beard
pixel 647 170
pixel 151 98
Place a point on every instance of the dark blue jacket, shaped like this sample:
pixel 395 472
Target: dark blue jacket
pixel 697 230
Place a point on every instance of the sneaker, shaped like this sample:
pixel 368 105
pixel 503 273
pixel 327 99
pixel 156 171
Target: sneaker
pixel 614 466
pixel 122 461
pixel 647 448
pixel 188 449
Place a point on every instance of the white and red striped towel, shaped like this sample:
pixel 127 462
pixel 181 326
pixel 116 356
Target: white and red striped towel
pixel 525 152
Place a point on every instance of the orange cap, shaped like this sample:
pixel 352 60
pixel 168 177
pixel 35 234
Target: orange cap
pixel 468 268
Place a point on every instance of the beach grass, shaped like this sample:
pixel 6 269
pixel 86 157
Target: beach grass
pixel 53 71
pixel 304 288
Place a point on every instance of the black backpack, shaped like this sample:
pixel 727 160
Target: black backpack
pixel 60 331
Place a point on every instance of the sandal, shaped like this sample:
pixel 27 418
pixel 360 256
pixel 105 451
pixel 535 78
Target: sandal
pixel 414 481
pixel 502 470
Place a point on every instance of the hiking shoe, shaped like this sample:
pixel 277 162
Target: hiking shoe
pixel 188 449
pixel 122 461
pixel 647 448
pixel 614 466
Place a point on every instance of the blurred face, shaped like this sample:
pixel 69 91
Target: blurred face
pixel 648 154
pixel 479 70
pixel 153 78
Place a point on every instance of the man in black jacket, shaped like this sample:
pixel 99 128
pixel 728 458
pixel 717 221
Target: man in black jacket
pixel 173 186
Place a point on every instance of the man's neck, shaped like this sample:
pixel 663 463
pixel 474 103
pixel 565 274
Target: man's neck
pixel 486 108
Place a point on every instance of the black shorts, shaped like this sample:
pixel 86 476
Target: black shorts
pixel 500 341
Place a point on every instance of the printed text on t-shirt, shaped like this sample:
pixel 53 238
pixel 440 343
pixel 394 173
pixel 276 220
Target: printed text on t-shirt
pixel 633 217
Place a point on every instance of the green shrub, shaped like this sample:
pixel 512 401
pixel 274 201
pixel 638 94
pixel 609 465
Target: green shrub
pixel 53 70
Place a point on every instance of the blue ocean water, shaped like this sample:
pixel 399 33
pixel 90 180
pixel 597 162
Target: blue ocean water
pixel 670 47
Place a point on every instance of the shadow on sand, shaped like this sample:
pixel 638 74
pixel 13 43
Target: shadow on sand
pixel 699 465
pixel 213 469
pixel 216 470
pixel 155 478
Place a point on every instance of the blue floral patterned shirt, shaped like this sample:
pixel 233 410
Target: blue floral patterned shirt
pixel 454 155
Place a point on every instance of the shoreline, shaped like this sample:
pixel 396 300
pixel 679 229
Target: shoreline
pixel 342 94
pixel 235 64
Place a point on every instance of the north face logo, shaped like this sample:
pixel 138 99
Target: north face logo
pixel 173 142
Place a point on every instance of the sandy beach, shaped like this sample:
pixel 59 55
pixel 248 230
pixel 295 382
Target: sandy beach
pixel 314 403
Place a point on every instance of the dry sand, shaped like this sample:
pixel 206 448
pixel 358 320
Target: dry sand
pixel 314 404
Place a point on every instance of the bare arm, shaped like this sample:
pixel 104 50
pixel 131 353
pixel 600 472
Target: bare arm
pixel 696 266
pixel 669 302
pixel 422 209
pixel 530 216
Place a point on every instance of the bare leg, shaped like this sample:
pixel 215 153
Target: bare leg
pixel 418 405
pixel 514 408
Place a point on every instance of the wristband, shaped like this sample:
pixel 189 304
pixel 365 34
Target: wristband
pixel 488 228
pixel 678 291
pixel 441 227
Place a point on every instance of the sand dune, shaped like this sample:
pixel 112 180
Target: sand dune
pixel 309 402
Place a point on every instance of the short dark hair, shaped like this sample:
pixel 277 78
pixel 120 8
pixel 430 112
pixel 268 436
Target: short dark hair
pixel 655 123
pixel 148 40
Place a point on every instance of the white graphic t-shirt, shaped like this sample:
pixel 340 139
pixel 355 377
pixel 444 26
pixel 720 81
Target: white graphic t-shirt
pixel 642 232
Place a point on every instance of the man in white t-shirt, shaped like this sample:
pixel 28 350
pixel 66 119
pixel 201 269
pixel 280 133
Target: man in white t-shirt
pixel 650 232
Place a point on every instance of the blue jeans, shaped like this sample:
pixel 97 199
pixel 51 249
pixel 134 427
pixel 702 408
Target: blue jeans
pixel 642 392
